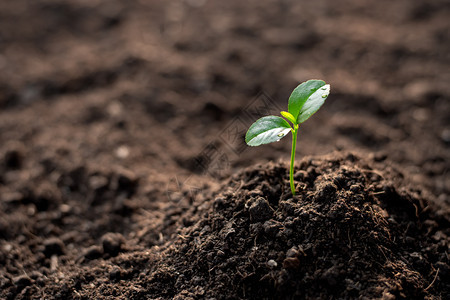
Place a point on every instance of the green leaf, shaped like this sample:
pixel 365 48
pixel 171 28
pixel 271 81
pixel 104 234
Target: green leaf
pixel 313 103
pixel 267 130
pixel 288 116
pixel 301 94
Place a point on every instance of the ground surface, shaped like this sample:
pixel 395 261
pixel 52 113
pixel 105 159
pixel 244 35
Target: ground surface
pixel 122 168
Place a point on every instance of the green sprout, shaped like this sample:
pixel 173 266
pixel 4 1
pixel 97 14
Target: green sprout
pixel 304 101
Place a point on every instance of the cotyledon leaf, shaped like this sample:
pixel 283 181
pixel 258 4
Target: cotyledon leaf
pixel 301 94
pixel 314 102
pixel 267 130
pixel 289 117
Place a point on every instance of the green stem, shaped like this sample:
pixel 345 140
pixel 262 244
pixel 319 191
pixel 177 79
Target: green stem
pixel 291 171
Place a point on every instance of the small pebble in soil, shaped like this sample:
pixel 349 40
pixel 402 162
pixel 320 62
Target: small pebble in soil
pixel 260 210
pixel 122 152
pixel 98 182
pixel 65 208
pixel 271 263
pixel 445 136
pixel 292 252
pixel 7 247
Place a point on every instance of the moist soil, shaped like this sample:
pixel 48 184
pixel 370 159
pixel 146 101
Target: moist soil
pixel 123 172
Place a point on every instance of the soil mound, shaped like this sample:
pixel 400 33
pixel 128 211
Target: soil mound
pixel 351 231
pixel 355 229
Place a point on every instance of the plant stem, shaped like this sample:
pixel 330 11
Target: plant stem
pixel 291 171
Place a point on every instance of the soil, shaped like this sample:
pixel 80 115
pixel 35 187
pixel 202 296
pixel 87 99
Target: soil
pixel 123 172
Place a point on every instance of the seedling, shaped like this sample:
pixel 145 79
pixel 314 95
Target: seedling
pixel 304 101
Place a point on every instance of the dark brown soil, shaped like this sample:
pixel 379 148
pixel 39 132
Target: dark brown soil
pixel 123 172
